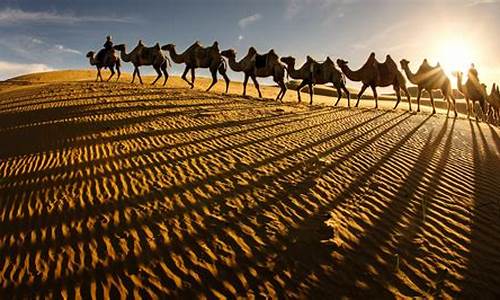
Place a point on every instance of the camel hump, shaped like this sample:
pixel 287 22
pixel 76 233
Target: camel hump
pixel 157 46
pixel 140 43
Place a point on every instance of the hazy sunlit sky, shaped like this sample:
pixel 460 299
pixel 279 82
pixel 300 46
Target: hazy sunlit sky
pixel 40 35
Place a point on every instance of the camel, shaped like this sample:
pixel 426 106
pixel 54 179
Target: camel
pixel 313 72
pixel 430 78
pixel 255 65
pixel 494 103
pixel 145 56
pixel 472 91
pixel 197 56
pixel 374 74
pixel 109 61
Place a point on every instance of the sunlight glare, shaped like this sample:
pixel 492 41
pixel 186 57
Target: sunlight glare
pixel 455 55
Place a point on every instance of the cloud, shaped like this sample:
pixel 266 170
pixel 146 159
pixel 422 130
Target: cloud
pixel 63 49
pixel 240 37
pixel 294 7
pixel 16 16
pixel 249 20
pixel 10 69
pixel 479 2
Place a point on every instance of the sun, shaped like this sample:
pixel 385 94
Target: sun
pixel 455 55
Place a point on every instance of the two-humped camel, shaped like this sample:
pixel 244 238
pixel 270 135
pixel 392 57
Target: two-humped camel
pixel 197 56
pixel 105 59
pixel 430 78
pixel 313 72
pixel 494 104
pixel 472 91
pixel 255 65
pixel 374 74
pixel 145 56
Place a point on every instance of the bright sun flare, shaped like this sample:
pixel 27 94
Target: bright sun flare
pixel 455 55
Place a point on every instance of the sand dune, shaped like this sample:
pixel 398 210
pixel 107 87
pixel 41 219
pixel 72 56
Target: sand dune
pixel 116 190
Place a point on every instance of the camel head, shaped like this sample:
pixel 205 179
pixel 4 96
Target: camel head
pixel 341 62
pixel 120 47
pixel 404 63
pixel 288 60
pixel 229 53
pixel 90 54
pixel 168 47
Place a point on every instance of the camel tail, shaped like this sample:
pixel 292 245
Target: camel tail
pixel 169 64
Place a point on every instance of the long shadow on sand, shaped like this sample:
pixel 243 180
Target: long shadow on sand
pixel 249 217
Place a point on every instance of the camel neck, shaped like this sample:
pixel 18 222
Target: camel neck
pixel 126 57
pixel 294 73
pixel 178 59
pixel 411 77
pixel 234 65
pixel 352 75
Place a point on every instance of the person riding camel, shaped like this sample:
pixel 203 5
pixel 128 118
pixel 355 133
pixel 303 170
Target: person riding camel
pixel 108 47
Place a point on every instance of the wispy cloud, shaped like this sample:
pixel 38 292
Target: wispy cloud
pixel 63 49
pixel 249 20
pixel 294 7
pixel 10 69
pixel 16 16
pixel 479 2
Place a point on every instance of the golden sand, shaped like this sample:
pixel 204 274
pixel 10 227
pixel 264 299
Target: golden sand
pixel 116 190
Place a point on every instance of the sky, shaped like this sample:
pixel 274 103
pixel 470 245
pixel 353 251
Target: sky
pixel 40 35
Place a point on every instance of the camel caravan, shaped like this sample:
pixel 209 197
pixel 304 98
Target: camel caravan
pixel 253 65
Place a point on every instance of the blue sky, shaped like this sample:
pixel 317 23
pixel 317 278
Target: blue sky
pixel 38 35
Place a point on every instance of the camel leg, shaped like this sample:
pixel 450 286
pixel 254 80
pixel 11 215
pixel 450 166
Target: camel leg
pixel 374 90
pixel 432 102
pixel 256 84
pixel 283 88
pixel 165 73
pixel 139 75
pixel 449 96
pixel 397 89
pixel 405 89
pixel 157 69
pixel 193 77
pixel 98 74
pixel 339 93
pixel 133 75
pixel 214 78
pixel 363 89
pixel 419 95
pixel 112 69
pixel 118 72
pixel 348 94
pixel 301 85
pixel 245 82
pixel 467 101
pixel 311 93
pixel 184 74
pixel 223 73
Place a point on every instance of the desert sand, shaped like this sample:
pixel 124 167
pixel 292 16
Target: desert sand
pixel 116 190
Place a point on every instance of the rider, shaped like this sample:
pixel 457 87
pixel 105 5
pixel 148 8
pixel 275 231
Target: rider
pixel 108 45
